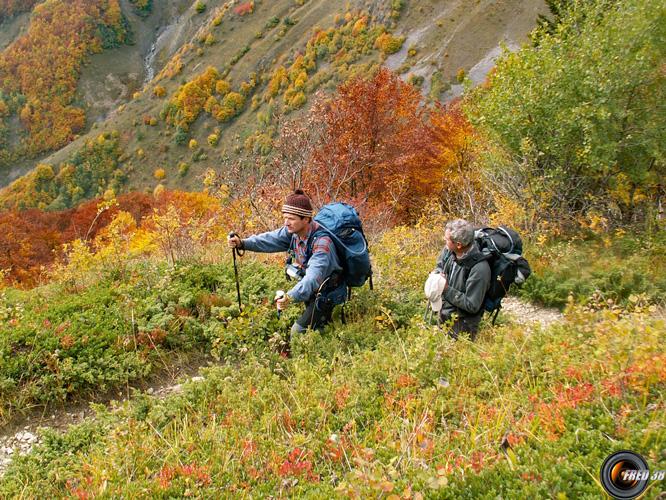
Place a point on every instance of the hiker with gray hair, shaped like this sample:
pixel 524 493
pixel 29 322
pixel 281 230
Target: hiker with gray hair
pixel 466 274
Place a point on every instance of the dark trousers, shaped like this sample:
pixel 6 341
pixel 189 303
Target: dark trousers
pixel 313 317
pixel 319 310
pixel 463 324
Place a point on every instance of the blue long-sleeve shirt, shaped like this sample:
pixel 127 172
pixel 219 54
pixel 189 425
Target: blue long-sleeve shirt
pixel 323 262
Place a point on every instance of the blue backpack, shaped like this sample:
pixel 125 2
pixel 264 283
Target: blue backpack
pixel 342 223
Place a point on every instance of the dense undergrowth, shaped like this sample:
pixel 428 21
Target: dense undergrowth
pixel 374 408
pixel 57 344
pixel 75 337
pixel 382 405
pixel 623 269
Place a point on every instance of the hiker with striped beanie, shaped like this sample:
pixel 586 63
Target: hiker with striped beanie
pixel 312 261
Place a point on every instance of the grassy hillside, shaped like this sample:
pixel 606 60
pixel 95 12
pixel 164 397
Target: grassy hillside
pixel 77 82
pixel 384 404
pixel 38 91
pixel 441 41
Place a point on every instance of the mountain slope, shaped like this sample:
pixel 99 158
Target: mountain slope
pixel 248 43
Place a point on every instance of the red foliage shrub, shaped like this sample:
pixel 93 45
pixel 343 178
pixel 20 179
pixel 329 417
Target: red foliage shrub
pixel 244 8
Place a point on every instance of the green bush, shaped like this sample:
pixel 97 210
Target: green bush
pixel 237 57
pixel 272 23
pixel 628 268
pixel 587 131
pixel 142 7
pixel 181 137
pixel 111 334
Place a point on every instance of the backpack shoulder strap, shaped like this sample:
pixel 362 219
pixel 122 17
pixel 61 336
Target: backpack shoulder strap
pixel 506 233
pixel 467 268
pixel 310 244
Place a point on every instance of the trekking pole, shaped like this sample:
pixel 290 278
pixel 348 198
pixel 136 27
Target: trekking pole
pixel 279 295
pixel 233 252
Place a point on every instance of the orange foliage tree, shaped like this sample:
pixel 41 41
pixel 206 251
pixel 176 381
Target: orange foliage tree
pixel 251 194
pixel 181 222
pixel 374 147
pixel 244 8
pixel 27 242
pixel 461 191
pixel 373 144
pixel 191 99
pixel 32 238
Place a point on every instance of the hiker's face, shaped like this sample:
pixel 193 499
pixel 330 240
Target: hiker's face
pixel 450 244
pixel 294 223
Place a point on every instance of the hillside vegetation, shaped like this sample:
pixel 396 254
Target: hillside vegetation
pixel 384 404
pixel 40 90
pixel 10 8
pixel 254 46
pixel 561 142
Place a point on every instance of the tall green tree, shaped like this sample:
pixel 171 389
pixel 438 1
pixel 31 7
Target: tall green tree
pixel 582 114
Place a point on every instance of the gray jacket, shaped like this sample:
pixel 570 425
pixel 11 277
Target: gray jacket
pixel 468 281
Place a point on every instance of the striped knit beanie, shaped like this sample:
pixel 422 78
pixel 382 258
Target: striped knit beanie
pixel 297 203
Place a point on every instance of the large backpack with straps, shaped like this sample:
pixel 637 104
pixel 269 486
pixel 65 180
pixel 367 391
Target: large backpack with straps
pixel 342 223
pixel 503 249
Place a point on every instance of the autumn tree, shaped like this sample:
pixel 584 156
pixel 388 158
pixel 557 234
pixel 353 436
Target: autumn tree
pixel 183 222
pixel 375 146
pixel 251 194
pixel 461 190
pixel 244 8
pixel 294 148
pixel 31 239
pixel 28 242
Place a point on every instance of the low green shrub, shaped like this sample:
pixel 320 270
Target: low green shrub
pixel 623 269
pixel 57 345
pixel 383 412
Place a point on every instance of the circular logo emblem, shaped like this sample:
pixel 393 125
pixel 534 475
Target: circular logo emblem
pixel 625 474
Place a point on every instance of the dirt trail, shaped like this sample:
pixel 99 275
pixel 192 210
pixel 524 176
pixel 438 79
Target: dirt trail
pixel 20 437
pixel 22 434
pixel 526 313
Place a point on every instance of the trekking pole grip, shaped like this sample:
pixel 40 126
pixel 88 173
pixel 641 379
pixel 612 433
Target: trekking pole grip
pixel 238 250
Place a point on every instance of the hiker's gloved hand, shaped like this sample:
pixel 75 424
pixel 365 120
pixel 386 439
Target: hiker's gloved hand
pixel 283 302
pixel 234 241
